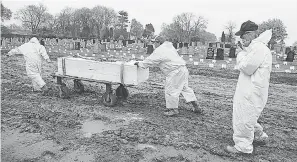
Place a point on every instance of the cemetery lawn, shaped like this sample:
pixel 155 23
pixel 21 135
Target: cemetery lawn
pixel 48 128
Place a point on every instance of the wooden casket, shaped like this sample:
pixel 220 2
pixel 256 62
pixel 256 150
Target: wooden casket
pixel 102 71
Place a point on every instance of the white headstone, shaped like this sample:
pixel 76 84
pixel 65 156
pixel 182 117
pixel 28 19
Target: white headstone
pixel 230 59
pixel 93 55
pixel 214 61
pixel 288 71
pixel 224 66
pixel 195 63
pixel 190 59
pixel 190 55
pixel 285 63
pixel 292 68
pixel 211 65
pixel 277 66
pixel 133 56
pixel 235 67
pixel 201 60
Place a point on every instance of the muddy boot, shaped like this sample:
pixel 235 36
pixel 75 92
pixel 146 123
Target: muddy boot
pixel 171 112
pixel 261 139
pixel 196 108
pixel 45 90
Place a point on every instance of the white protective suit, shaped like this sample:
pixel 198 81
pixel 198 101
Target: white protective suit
pixel 33 53
pixel 255 64
pixel 174 67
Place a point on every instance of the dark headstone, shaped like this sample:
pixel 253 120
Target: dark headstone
pixel 290 56
pixel 288 49
pixel 227 45
pixel 57 40
pixel 210 53
pixel 175 45
pixel 210 44
pixel 220 54
pixel 186 45
pixel 150 49
pixel 180 45
pixel 232 52
pixel 77 45
pixel 124 43
pixel 94 41
pixel 42 42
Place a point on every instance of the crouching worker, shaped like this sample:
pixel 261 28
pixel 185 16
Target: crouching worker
pixel 174 67
pixel 33 53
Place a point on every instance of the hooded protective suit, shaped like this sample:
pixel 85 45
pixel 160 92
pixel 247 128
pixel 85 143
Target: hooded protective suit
pixel 255 64
pixel 33 53
pixel 173 66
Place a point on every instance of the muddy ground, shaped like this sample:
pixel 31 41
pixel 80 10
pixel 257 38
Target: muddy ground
pixel 47 128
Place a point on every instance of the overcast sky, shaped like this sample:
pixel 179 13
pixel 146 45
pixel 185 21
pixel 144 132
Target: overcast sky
pixel 217 12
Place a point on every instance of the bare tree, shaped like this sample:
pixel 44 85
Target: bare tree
pixel 185 26
pixel 32 16
pixel 102 17
pixel 5 13
pixel 136 28
pixel 230 31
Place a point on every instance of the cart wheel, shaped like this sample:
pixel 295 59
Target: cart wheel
pixel 78 86
pixel 122 92
pixel 64 91
pixel 109 99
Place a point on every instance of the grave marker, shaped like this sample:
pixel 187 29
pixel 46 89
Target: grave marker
pixel 211 65
pixel 195 63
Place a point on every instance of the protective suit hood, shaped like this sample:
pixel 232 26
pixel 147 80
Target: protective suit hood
pixel 34 40
pixel 264 37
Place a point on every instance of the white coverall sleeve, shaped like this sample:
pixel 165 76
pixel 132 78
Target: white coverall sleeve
pixel 43 52
pixel 153 60
pixel 14 51
pixel 251 62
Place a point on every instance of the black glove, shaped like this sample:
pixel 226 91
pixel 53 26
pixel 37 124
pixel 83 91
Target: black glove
pixel 136 63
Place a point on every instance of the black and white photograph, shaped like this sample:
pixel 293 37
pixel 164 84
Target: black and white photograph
pixel 148 81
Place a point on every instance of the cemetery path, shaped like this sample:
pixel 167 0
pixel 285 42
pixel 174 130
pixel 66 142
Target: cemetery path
pixel 47 128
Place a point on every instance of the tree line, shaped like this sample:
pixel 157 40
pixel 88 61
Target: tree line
pixel 103 22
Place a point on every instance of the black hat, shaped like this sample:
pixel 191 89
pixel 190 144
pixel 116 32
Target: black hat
pixel 247 26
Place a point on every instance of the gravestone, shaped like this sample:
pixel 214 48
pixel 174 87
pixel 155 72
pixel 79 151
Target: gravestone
pixel 186 45
pixel 175 45
pixel 232 52
pixel 228 46
pixel 42 42
pixel 290 56
pixel 77 46
pixel 220 54
pixel 124 43
pixel 210 53
pixel 150 49
pixel 288 49
pixel 180 45
pixel 103 47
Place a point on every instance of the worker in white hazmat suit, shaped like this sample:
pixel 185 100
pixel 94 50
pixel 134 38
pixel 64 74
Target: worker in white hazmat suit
pixel 33 53
pixel 174 67
pixel 255 65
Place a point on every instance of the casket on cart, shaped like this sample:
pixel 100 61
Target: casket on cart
pixel 109 73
